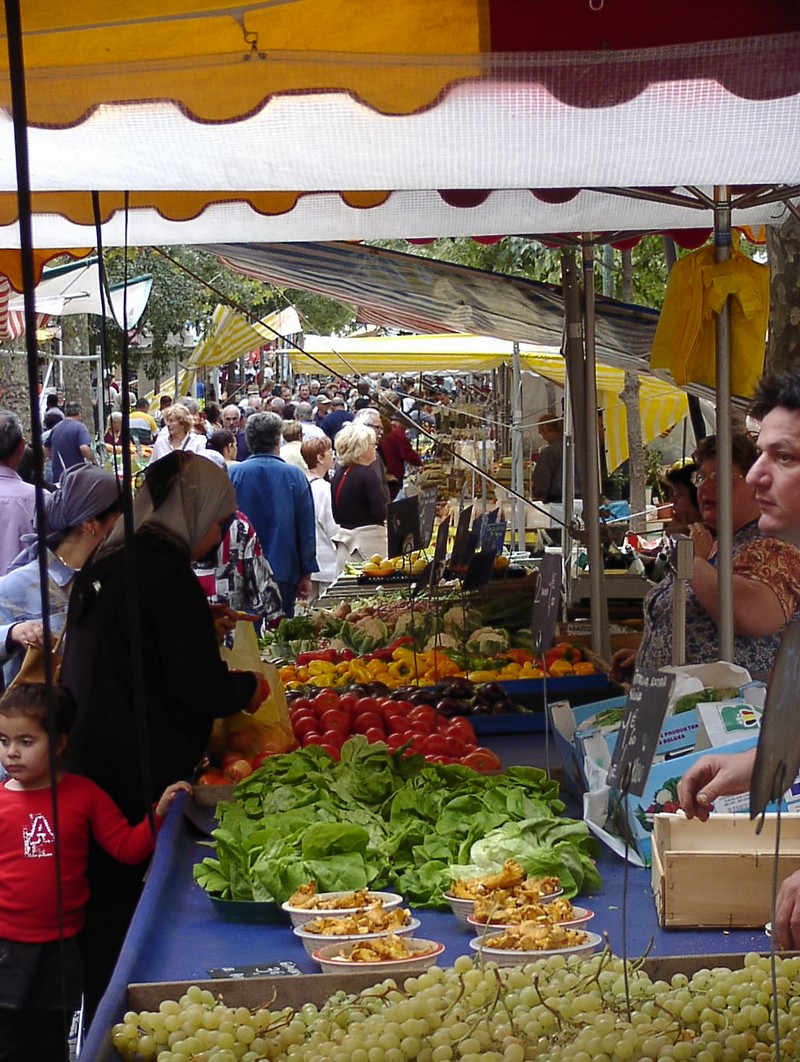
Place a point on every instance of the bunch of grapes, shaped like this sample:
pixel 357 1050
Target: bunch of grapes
pixel 553 1010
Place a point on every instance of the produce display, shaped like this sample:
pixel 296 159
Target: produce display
pixel 386 820
pixel 536 936
pixel 328 720
pixel 509 885
pixel 490 911
pixel 388 948
pixel 552 1010
pixel 374 919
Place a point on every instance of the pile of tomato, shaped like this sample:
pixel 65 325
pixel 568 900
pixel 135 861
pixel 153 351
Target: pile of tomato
pixel 329 718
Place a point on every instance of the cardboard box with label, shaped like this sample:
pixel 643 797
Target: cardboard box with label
pixel 587 738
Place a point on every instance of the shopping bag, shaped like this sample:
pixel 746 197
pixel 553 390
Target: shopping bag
pixel 268 729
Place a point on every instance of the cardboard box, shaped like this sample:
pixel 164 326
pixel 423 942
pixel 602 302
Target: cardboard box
pixel 719 873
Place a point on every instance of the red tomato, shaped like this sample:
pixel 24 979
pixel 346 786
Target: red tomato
pixel 324 700
pixel 258 760
pixel 396 741
pixel 418 726
pixel 301 702
pixel 397 724
pixel 238 770
pixel 332 750
pixel 482 760
pixel 455 746
pixel 227 758
pixel 335 719
pixel 313 737
pixel 435 745
pixel 366 721
pixel 417 741
pixel 432 758
pixel 366 704
pixel 463 729
pixel 213 778
pixel 303 727
pixel 375 733
pixel 402 707
pixel 348 701
pixel 335 737
pixel 424 713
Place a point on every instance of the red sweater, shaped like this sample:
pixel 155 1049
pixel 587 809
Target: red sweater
pixel 396 450
pixel 28 898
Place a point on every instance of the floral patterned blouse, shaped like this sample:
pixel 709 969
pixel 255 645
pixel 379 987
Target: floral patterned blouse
pixel 755 556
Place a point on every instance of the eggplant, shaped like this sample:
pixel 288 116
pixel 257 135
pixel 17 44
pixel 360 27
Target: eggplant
pixel 424 696
pixel 492 692
pixel 377 689
pixel 505 707
pixel 450 706
pixel 402 693
pixel 461 689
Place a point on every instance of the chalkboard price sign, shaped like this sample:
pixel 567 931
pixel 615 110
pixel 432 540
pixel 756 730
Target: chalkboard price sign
pixel 641 727
pixel 546 602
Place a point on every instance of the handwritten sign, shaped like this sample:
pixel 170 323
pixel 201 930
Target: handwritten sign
pixel 641 727
pixel 402 526
pixel 427 514
pixel 546 602
pixel 267 969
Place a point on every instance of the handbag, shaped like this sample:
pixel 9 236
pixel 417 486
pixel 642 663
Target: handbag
pixel 32 669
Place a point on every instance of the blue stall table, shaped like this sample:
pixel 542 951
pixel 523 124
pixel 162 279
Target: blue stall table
pixel 176 935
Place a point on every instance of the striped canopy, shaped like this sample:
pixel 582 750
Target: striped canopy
pixel 333 119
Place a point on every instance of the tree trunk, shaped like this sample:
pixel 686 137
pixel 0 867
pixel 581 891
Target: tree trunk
pixel 78 374
pixel 627 276
pixel 630 399
pixel 14 388
pixel 783 341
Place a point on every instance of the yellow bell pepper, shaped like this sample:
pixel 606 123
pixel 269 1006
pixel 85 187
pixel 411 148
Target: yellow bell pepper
pixel 561 668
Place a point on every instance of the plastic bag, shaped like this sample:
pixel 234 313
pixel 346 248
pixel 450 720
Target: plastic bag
pixel 268 729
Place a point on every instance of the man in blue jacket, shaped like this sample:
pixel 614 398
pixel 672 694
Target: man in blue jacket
pixel 276 498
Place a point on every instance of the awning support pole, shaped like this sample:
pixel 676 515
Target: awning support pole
pixel 601 636
pixel 517 470
pixel 724 560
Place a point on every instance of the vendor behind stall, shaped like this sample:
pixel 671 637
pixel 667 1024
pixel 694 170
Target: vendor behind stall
pixel 766 580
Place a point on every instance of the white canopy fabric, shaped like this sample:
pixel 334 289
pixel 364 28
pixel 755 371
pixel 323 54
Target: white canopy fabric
pixel 223 129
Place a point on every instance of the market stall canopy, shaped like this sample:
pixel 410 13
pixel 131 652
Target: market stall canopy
pixel 231 335
pixel 297 119
pixel 419 294
pixel 75 288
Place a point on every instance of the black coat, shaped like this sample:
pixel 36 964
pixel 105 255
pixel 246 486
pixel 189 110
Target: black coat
pixel 186 683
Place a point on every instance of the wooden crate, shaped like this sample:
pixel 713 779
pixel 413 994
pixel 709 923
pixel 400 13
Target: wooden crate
pixel 279 992
pixel 719 873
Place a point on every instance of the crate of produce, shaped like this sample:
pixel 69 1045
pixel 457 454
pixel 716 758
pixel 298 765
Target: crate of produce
pixel 719 873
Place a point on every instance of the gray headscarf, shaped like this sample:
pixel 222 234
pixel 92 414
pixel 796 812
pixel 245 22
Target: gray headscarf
pixel 84 492
pixel 181 497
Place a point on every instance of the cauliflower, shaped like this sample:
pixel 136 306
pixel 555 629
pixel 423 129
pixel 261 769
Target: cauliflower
pixel 488 641
pixel 442 641
pixel 458 622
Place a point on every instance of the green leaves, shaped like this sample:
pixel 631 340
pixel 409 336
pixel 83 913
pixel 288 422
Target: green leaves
pixel 384 820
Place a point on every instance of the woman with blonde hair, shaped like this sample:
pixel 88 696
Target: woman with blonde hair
pixel 359 498
pixel 178 433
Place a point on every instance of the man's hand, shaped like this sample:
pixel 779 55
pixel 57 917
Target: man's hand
pixel 711 777
pixel 622 663
pixel 303 587
pixel 786 927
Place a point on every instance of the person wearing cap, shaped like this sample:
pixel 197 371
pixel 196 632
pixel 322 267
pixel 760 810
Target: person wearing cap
pixel 338 416
pixel 322 407
pixel 80 513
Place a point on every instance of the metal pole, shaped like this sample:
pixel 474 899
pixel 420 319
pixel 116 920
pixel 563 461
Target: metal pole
pixel 722 252
pixel 590 486
pixel 517 470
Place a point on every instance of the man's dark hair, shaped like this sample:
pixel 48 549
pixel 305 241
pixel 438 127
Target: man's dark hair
pixel 11 434
pixel 73 409
pixel 776 389
pixel 263 432
pixel 220 439
pixel 142 403
pixel 682 477
pixel 51 400
pixel 743 450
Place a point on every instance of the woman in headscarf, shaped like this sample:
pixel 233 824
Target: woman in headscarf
pixel 80 513
pixel 181 512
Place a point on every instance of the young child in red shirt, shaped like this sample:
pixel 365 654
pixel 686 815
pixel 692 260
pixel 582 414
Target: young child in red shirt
pixel 40 918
